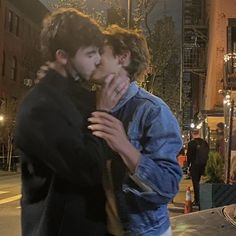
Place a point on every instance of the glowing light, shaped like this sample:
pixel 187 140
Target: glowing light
pixel 229 56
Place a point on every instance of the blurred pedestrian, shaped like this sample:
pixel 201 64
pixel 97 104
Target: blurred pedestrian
pixel 220 138
pixel 197 156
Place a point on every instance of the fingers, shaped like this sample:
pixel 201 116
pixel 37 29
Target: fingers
pixel 40 74
pixel 122 91
pixel 116 83
pixel 111 91
pixel 101 121
pixel 101 128
pixel 108 80
pixel 102 135
pixel 104 116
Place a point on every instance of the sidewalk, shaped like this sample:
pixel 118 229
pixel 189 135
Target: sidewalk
pixel 179 200
pixel 176 207
pixel 8 173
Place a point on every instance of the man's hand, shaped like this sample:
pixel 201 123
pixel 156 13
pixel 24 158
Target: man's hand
pixel 111 91
pixel 43 71
pixel 109 128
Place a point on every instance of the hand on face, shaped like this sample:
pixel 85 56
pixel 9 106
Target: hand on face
pixel 109 128
pixel 111 91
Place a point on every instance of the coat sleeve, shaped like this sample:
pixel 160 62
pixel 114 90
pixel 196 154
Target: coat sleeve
pixel 158 173
pixel 46 135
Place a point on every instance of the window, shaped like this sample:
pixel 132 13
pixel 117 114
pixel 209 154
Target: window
pixel 3 63
pixel 10 21
pixel 13 68
pixel 16 25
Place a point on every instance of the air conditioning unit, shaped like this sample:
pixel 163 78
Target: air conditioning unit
pixel 28 82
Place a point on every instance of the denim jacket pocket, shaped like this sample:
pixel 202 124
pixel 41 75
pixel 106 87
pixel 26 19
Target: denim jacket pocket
pixel 144 215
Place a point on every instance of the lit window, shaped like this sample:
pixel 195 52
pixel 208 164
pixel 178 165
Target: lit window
pixel 13 68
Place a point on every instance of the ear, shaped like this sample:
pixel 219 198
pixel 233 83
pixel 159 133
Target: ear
pixel 61 57
pixel 124 58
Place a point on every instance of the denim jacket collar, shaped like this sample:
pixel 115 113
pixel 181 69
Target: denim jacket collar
pixel 132 90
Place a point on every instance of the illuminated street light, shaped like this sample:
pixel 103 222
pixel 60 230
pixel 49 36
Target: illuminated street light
pixel 1 118
pixel 192 125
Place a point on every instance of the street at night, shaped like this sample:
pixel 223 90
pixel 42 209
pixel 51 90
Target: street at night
pixel 120 117
pixel 9 203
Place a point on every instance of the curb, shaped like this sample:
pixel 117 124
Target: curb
pixel 176 209
pixel 8 173
pixel 181 209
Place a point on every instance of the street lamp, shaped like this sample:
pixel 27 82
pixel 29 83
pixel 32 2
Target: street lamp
pixel 1 118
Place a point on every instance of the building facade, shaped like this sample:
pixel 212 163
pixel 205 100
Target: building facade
pixel 222 40
pixel 19 52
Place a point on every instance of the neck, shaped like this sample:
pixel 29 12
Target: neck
pixel 123 72
pixel 58 68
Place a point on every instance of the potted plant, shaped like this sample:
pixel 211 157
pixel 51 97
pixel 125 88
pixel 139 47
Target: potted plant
pixel 214 192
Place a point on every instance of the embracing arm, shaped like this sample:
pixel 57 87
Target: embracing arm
pixel 155 168
pixel 111 129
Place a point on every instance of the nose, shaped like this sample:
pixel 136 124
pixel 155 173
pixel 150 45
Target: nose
pixel 98 59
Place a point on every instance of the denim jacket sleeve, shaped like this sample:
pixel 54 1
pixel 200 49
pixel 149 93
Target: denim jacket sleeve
pixel 158 173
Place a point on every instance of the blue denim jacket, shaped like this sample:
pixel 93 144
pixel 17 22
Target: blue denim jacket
pixel 142 198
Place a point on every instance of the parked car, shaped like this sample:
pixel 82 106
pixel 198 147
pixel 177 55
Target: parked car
pixel 211 222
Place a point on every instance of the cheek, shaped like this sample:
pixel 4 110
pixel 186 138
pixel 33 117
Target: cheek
pixel 88 65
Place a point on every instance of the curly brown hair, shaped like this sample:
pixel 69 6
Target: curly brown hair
pixel 68 29
pixel 122 40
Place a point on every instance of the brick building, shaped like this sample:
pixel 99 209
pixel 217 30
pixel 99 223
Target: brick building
pixel 20 22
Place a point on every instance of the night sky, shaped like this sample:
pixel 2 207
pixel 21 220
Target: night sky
pixel 163 7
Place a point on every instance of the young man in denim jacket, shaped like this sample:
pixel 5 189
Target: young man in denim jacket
pixel 143 174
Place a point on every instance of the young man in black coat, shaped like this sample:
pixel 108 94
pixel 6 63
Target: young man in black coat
pixel 62 163
pixel 197 156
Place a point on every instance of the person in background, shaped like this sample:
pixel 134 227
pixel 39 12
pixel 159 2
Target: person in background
pixel 197 156
pixel 220 138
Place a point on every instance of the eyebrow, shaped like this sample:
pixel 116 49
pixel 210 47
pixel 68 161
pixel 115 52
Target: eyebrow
pixel 92 51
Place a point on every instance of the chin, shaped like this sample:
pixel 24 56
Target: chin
pixel 97 78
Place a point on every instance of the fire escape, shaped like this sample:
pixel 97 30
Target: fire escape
pixel 194 50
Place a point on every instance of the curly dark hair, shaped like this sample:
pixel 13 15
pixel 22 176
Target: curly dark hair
pixel 68 29
pixel 122 40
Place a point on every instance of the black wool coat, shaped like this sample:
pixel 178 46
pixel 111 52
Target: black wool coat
pixel 62 163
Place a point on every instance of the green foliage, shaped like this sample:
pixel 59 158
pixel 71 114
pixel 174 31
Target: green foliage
pixel 215 168
pixel 83 7
pixel 141 14
pixel 71 3
pixel 166 62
